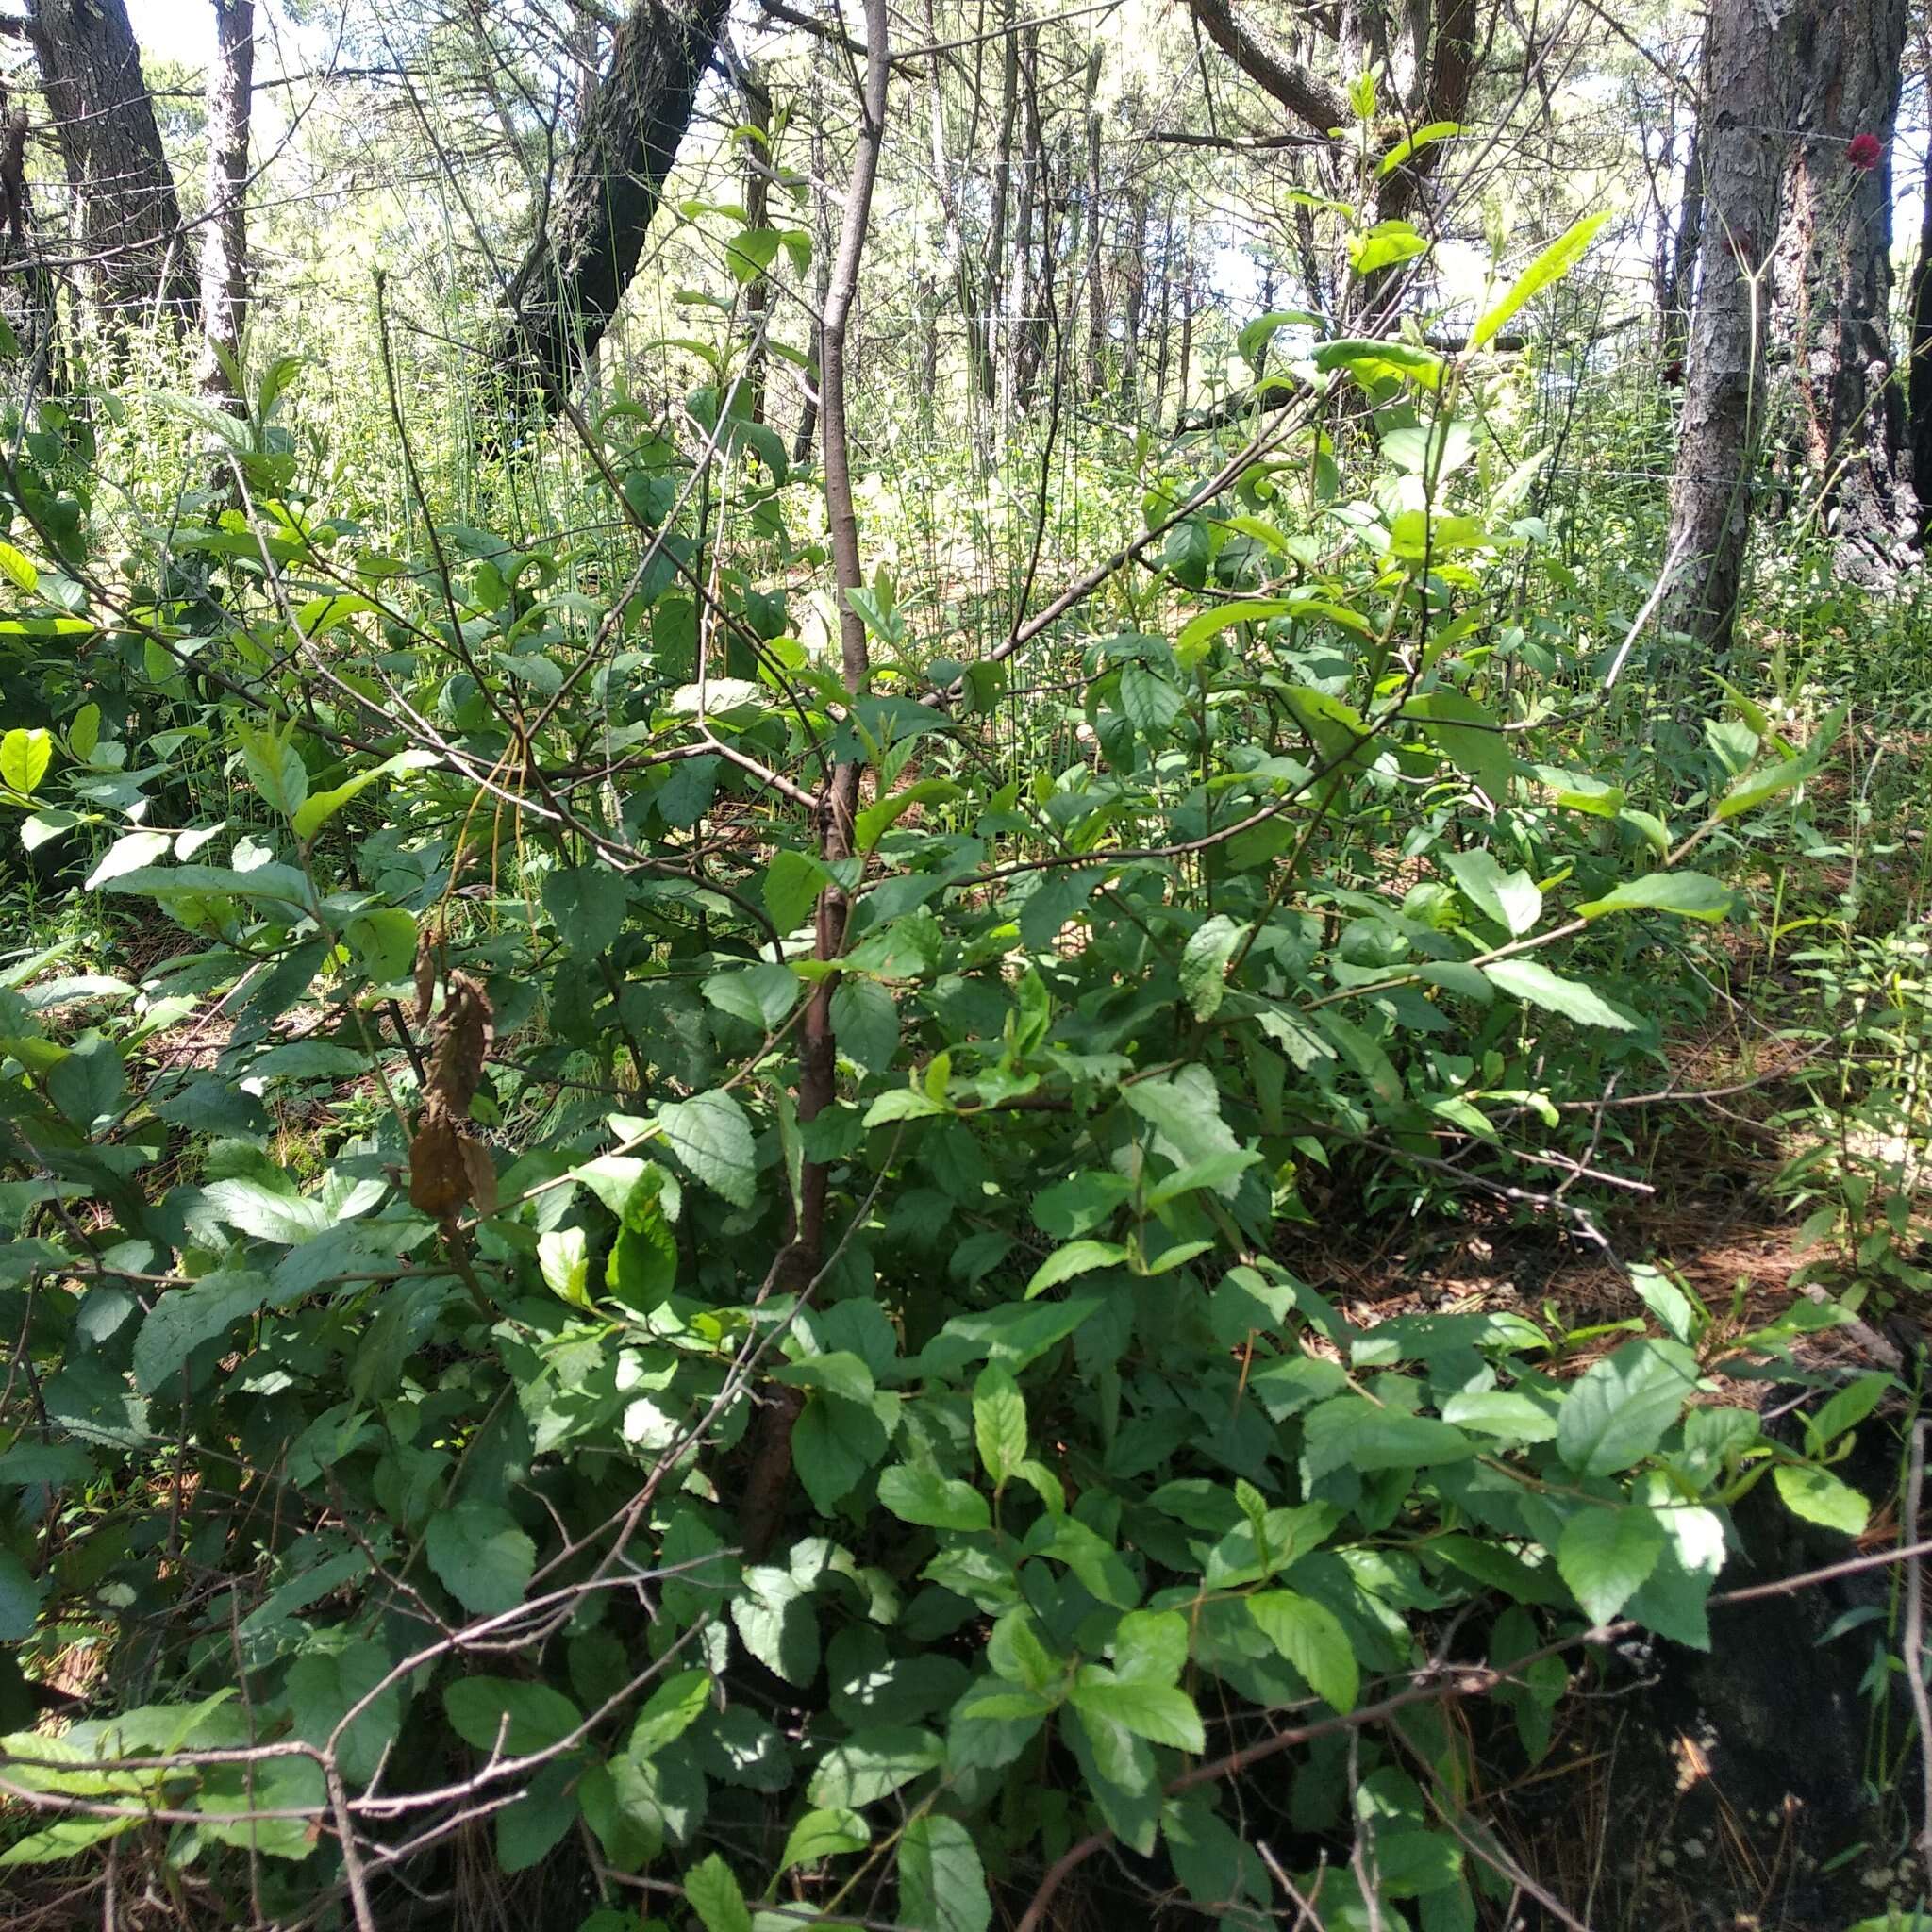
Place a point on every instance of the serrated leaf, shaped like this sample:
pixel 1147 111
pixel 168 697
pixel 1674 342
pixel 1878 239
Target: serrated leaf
pixel 525 1716
pixel 712 1135
pixel 1619 1409
pixel 129 851
pixel 1311 1638
pixel 481 1556
pixel 935 1502
pixel 1605 1555
pixel 712 1891
pixel 182 1319
pixel 999 1423
pixel 823 1833
pixel 1203 962
pixel 1161 1713
pixel 942 1882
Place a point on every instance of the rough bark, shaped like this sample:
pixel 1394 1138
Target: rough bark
pixel 104 124
pixel 1680 276
pixel 26 288
pixel 224 230
pixel 1747 83
pixel 563 295
pixel 1837 284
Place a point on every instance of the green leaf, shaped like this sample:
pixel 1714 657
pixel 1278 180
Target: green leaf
pixel 1076 1257
pixel 671 1709
pixel 794 881
pixel 999 1423
pixel 872 1764
pixel 184 1317
pixel 55 1844
pixel 712 1135
pixel 24 757
pixel 1161 1713
pixel 826 1833
pixel 319 806
pixel 1184 1109
pixel 1605 1555
pixel 20 1599
pixel 942 1883
pixel 933 1501
pixel 1369 359
pixel 712 1891
pixel 876 820
pixel 1469 737
pixel 481 1556
pixel 130 850
pixel 20 572
pixel 274 766
pixel 1383 247
pixel 1149 700
pixel 1350 1431
pixel 1689 894
pixel 1311 1638
pixel 1203 962
pixel 325 1682
pixel 563 1256
pixel 1556 261
pixel 1537 984
pixel 1820 1497
pixel 524 1716
pixel 265 1212
pixel 1511 898
pixel 1409 145
pixel 1619 1409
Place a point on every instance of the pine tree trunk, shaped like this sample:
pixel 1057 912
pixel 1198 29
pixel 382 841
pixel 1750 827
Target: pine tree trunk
pixel 1838 286
pixel 1681 274
pixel 1748 52
pixel 225 231
pixel 564 294
pixel 103 123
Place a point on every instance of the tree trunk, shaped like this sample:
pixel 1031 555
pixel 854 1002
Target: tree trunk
pixel 822 262
pixel 1096 280
pixel 103 124
pixel 225 232
pixel 758 184
pixel 1839 283
pixel 999 350
pixel 1747 77
pixel 1680 278
pixel 564 294
pixel 27 293
pixel 1134 293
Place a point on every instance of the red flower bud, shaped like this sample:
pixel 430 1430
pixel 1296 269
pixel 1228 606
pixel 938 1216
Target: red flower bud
pixel 1865 152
